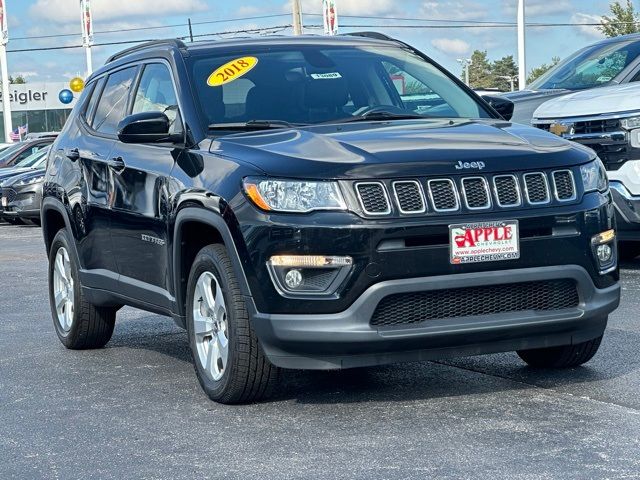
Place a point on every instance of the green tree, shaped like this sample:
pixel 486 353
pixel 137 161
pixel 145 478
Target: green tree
pixel 502 71
pixel 480 75
pixel 542 69
pixel 623 20
pixel 18 80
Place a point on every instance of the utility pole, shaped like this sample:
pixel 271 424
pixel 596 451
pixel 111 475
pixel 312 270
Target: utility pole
pixel 297 17
pixel 4 71
pixel 522 48
pixel 466 63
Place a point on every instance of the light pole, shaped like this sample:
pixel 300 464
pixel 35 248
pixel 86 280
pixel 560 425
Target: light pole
pixel 466 63
pixel 296 10
pixel 522 50
pixel 4 71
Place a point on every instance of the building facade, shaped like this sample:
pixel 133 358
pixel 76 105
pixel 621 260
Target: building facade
pixel 37 106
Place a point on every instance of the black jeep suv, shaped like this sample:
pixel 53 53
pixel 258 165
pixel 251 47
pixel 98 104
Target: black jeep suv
pixel 321 203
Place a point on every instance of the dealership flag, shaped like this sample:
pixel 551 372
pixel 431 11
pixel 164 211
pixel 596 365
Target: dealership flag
pixel 330 14
pixel 4 39
pixel 87 22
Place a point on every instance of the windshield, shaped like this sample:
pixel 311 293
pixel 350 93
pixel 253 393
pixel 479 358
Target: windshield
pixel 35 160
pixel 591 67
pixel 8 152
pixel 310 84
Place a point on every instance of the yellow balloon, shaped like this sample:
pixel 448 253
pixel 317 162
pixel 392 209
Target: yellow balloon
pixel 77 85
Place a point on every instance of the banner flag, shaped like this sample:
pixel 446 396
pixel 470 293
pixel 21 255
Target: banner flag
pixel 330 14
pixel 4 38
pixel 87 22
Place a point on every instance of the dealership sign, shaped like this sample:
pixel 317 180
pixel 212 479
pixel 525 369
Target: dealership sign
pixel 37 96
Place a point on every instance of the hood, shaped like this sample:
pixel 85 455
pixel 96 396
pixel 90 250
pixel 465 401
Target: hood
pixel 399 148
pixel 25 176
pixel 597 101
pixel 6 173
pixel 527 101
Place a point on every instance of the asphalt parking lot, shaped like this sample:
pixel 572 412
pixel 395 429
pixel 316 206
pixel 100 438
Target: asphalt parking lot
pixel 135 409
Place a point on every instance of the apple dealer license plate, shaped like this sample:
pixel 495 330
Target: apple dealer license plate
pixel 484 242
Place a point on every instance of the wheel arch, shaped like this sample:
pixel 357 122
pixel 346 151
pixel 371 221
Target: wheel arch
pixel 195 228
pixel 54 218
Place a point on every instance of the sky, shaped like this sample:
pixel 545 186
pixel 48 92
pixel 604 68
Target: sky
pixel 37 18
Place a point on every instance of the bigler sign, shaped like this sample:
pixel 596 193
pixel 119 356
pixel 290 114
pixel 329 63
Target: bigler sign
pixel 37 96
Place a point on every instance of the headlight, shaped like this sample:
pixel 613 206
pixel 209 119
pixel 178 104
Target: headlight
pixel 297 196
pixel 630 123
pixel 594 176
pixel 29 181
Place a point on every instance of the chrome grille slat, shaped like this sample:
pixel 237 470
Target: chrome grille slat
pixel 373 198
pixel 507 191
pixel 564 185
pixel 475 191
pixel 464 194
pixel 409 196
pixel 536 188
pixel 444 195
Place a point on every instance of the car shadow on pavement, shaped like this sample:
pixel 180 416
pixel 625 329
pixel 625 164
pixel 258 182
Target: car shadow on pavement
pixel 403 382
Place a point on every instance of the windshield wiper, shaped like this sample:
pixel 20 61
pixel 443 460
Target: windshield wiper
pixel 255 125
pixel 380 116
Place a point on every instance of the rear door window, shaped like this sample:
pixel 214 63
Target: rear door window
pixel 112 106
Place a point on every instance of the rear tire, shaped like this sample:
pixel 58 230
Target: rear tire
pixel 628 251
pixel 566 356
pixel 78 324
pixel 228 359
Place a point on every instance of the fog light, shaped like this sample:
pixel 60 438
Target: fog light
pixel 293 279
pixel 604 253
pixel 309 276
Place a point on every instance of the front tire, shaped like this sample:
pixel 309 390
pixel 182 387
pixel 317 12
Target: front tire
pixel 78 324
pixel 566 356
pixel 229 362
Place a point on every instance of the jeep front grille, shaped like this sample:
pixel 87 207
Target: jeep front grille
pixel 432 196
pixel 418 307
pixel 507 190
pixel 536 188
pixel 373 198
pixel 443 195
pixel 409 196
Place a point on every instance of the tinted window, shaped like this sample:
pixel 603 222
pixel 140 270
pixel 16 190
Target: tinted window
pixel 156 93
pixel 591 67
pixel 313 84
pixel 113 102
pixel 93 100
pixel 28 152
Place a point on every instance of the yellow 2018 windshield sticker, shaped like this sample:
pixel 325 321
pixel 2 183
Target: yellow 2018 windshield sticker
pixel 232 71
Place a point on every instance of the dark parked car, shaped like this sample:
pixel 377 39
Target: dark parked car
pixel 278 199
pixel 34 161
pixel 608 62
pixel 21 197
pixel 21 150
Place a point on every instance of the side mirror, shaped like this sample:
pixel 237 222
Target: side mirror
pixel 501 105
pixel 146 127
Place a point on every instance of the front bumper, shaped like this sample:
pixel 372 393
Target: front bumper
pixel 627 208
pixel 347 339
pixel 24 202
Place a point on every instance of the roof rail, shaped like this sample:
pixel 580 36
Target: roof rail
pixel 374 35
pixel 171 41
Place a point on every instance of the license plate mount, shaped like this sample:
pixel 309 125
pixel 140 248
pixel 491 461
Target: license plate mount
pixel 479 242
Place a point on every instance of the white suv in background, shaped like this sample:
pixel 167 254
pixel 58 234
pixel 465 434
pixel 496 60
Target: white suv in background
pixel 606 119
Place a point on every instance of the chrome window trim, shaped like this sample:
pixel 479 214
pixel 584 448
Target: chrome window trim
pixel 420 191
pixel 518 190
pixel 386 196
pixel 546 184
pixel 455 194
pixel 555 187
pixel 486 189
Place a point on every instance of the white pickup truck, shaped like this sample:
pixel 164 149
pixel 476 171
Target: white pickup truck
pixel 607 119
